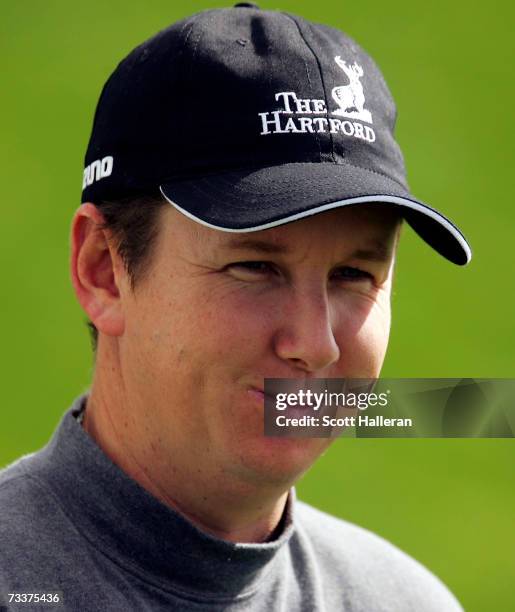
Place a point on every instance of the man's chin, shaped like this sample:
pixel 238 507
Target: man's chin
pixel 272 461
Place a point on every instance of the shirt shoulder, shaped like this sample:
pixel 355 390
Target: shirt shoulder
pixel 373 573
pixel 19 482
pixel 18 489
pixel 31 520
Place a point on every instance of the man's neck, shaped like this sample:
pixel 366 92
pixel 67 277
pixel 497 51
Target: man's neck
pixel 235 512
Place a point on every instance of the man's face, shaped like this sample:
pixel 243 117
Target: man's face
pixel 218 312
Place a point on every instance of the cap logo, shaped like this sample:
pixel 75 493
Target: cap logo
pixel 97 170
pixel 350 98
pixel 299 115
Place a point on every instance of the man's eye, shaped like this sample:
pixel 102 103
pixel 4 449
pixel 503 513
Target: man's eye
pixel 257 267
pixel 351 274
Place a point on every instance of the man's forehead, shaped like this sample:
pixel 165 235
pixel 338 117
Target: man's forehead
pixel 365 234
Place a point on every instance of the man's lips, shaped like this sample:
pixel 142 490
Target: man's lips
pixel 260 394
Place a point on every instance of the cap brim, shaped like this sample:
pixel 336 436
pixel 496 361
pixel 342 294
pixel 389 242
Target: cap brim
pixel 258 199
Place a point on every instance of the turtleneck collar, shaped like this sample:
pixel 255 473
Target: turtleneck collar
pixel 137 531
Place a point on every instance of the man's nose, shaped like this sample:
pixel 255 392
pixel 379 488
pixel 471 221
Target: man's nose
pixel 306 338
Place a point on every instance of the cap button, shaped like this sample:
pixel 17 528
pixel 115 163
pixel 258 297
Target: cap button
pixel 246 5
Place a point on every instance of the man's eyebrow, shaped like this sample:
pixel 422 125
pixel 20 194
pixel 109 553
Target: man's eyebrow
pixel 380 252
pixel 260 246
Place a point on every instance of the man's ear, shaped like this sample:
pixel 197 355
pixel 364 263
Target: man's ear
pixel 97 271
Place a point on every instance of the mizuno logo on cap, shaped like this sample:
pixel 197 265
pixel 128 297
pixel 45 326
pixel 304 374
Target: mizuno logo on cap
pixel 97 170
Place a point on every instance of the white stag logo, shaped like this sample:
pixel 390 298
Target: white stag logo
pixel 350 98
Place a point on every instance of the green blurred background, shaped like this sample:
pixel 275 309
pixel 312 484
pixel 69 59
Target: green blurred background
pixel 449 503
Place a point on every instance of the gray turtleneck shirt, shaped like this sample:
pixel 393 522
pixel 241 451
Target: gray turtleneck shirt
pixel 73 524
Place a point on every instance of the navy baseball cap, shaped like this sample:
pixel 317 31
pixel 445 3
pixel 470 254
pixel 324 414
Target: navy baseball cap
pixel 247 119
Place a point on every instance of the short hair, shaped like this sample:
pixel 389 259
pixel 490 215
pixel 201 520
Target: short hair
pixel 134 224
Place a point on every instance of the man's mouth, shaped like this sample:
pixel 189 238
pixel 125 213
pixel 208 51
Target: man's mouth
pixel 260 393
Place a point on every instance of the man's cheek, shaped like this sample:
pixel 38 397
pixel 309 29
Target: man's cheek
pixel 374 341
pixel 363 347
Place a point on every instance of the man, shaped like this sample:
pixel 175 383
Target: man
pixel 241 208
